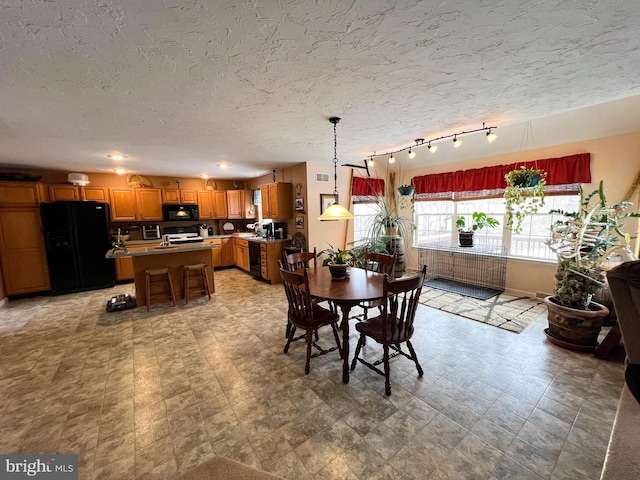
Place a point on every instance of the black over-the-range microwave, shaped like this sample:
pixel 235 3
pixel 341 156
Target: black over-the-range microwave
pixel 180 212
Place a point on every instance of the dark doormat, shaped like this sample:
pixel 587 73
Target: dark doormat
pixel 453 286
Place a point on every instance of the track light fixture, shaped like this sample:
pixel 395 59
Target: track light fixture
pixel 491 136
pixel 371 162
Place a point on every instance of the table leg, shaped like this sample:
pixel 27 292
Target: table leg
pixel 345 343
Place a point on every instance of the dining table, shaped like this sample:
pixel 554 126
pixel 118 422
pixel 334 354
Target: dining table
pixel 360 285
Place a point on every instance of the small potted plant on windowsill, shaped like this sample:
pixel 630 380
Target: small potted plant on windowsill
pixel 479 220
pixel 524 195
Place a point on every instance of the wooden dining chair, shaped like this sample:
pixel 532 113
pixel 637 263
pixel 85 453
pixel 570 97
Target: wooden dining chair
pixel 306 315
pixel 394 326
pixel 379 263
pixel 301 260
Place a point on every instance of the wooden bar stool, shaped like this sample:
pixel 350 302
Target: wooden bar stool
pixel 164 278
pixel 195 272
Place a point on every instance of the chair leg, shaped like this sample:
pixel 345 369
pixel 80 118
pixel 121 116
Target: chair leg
pixel 357 352
pixel 387 382
pixel 171 291
pixel 148 292
pixel 309 338
pixel 292 332
pixel 337 337
pixel 205 281
pixel 288 329
pixel 415 358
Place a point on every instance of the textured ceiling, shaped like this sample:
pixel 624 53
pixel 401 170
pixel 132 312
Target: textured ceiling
pixel 182 86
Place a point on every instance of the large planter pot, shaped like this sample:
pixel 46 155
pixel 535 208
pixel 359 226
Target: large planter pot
pixel 338 270
pixel 395 246
pixel 572 328
pixel 465 239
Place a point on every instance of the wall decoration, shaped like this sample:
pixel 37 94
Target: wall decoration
pixel 299 204
pixel 326 200
pixel 299 221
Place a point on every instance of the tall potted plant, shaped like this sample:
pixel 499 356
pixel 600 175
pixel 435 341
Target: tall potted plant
pixel 583 241
pixel 524 195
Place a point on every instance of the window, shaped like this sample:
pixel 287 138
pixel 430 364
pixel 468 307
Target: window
pixel 434 221
pixel 535 228
pixel 363 213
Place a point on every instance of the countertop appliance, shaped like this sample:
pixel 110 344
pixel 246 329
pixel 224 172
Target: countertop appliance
pixel 279 230
pixel 77 239
pixel 181 235
pixel 151 232
pixel 180 212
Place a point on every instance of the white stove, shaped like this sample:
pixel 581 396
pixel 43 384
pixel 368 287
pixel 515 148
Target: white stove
pixel 182 238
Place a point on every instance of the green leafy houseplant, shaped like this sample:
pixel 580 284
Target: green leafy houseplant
pixel 337 260
pixel 524 195
pixel 388 222
pixel 479 220
pixel 583 241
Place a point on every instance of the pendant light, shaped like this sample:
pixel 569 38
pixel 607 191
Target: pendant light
pixel 335 211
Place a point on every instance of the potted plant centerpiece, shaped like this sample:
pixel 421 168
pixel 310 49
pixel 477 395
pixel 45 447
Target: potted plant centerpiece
pixel 479 220
pixel 337 260
pixel 583 241
pixel 524 195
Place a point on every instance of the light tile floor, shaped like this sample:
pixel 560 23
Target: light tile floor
pixel 142 395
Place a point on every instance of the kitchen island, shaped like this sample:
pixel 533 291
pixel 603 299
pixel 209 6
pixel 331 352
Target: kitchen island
pixel 172 257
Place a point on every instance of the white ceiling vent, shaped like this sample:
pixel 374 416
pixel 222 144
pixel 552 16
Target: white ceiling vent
pixel 322 177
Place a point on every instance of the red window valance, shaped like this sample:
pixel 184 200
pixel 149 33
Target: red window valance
pixel 572 169
pixel 366 187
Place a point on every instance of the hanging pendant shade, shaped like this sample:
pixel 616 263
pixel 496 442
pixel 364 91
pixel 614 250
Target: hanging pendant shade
pixel 335 211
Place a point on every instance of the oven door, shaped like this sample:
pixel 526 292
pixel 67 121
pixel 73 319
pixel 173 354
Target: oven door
pixel 255 267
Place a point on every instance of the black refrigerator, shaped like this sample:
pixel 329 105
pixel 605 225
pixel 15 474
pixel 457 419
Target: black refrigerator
pixel 77 239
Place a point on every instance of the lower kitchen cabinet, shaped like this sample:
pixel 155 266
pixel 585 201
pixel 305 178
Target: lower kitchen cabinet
pixel 270 253
pixel 242 253
pixel 22 251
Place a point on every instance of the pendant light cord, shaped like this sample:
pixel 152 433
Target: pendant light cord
pixel 335 121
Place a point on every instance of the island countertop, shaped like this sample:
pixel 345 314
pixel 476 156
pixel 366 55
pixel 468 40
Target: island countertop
pixel 144 251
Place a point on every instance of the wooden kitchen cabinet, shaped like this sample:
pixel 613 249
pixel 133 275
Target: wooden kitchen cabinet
pixel 277 201
pixel 242 253
pixel 206 209
pixel 67 192
pixel 220 203
pixel 149 204
pixel 179 196
pixel 95 194
pixel 22 251
pixel 21 194
pixel 270 253
pixel 123 205
pixel 240 204
pixel 227 252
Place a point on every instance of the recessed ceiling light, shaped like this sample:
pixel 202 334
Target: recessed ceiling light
pixel 116 156
pixel 120 171
pixel 224 165
pixel 205 176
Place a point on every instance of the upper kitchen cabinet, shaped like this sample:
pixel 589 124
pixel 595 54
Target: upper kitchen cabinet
pixel 68 192
pixel 123 205
pixel 206 208
pixel 240 204
pixel 179 196
pixel 277 200
pixel 22 251
pixel 220 203
pixel 149 204
pixel 95 194
pixel 21 194
pixel 59 193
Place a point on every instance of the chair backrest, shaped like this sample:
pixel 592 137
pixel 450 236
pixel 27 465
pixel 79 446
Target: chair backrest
pixel 301 260
pixel 379 262
pixel 296 286
pixel 624 282
pixel 401 299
